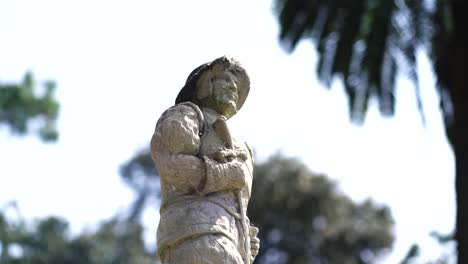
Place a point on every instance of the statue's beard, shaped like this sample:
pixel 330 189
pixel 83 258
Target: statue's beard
pixel 223 106
pixel 229 108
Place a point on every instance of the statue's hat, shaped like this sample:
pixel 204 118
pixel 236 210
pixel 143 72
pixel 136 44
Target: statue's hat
pixel 212 68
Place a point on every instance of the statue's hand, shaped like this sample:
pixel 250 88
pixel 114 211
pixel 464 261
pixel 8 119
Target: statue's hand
pixel 224 155
pixel 254 242
pixel 242 154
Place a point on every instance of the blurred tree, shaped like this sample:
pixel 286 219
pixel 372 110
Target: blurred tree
pixel 50 243
pixel 444 240
pixel 140 174
pixel 411 255
pixel 303 218
pixel 19 105
pixel 366 43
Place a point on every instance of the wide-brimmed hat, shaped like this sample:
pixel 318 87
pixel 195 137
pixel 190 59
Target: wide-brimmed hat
pixel 212 68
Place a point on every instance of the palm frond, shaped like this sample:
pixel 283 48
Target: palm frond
pixel 363 42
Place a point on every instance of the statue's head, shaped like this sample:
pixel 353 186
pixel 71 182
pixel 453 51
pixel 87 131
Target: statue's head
pixel 222 85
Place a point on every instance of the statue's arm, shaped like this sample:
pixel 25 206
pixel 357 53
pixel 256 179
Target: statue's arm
pixel 221 176
pixel 229 173
pixel 175 146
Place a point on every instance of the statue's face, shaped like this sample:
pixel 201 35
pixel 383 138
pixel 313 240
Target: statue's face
pixel 224 91
pixel 221 93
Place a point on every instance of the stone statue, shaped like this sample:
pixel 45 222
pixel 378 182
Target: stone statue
pixel 206 174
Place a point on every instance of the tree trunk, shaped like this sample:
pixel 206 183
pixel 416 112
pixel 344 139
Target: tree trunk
pixel 461 186
pixel 458 87
pixel 461 180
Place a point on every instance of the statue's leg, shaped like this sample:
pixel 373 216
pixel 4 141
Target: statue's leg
pixel 207 249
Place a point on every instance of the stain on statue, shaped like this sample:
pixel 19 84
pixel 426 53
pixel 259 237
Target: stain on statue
pixel 206 174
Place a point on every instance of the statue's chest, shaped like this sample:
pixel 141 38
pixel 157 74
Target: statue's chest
pixel 211 142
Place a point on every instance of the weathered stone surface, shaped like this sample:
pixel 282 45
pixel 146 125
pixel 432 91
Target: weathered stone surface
pixel 206 174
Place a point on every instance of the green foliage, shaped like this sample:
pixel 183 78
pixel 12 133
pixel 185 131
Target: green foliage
pixel 442 238
pixel 445 258
pixel 138 169
pixel 412 254
pixel 366 43
pixel 19 105
pixel 363 43
pixel 140 174
pixel 303 218
pixel 49 242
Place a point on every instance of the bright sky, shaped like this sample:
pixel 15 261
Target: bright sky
pixel 120 64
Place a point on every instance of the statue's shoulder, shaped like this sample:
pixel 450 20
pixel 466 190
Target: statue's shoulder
pixel 186 111
pixel 185 108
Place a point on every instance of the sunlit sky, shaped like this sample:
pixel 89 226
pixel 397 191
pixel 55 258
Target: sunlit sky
pixel 120 64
